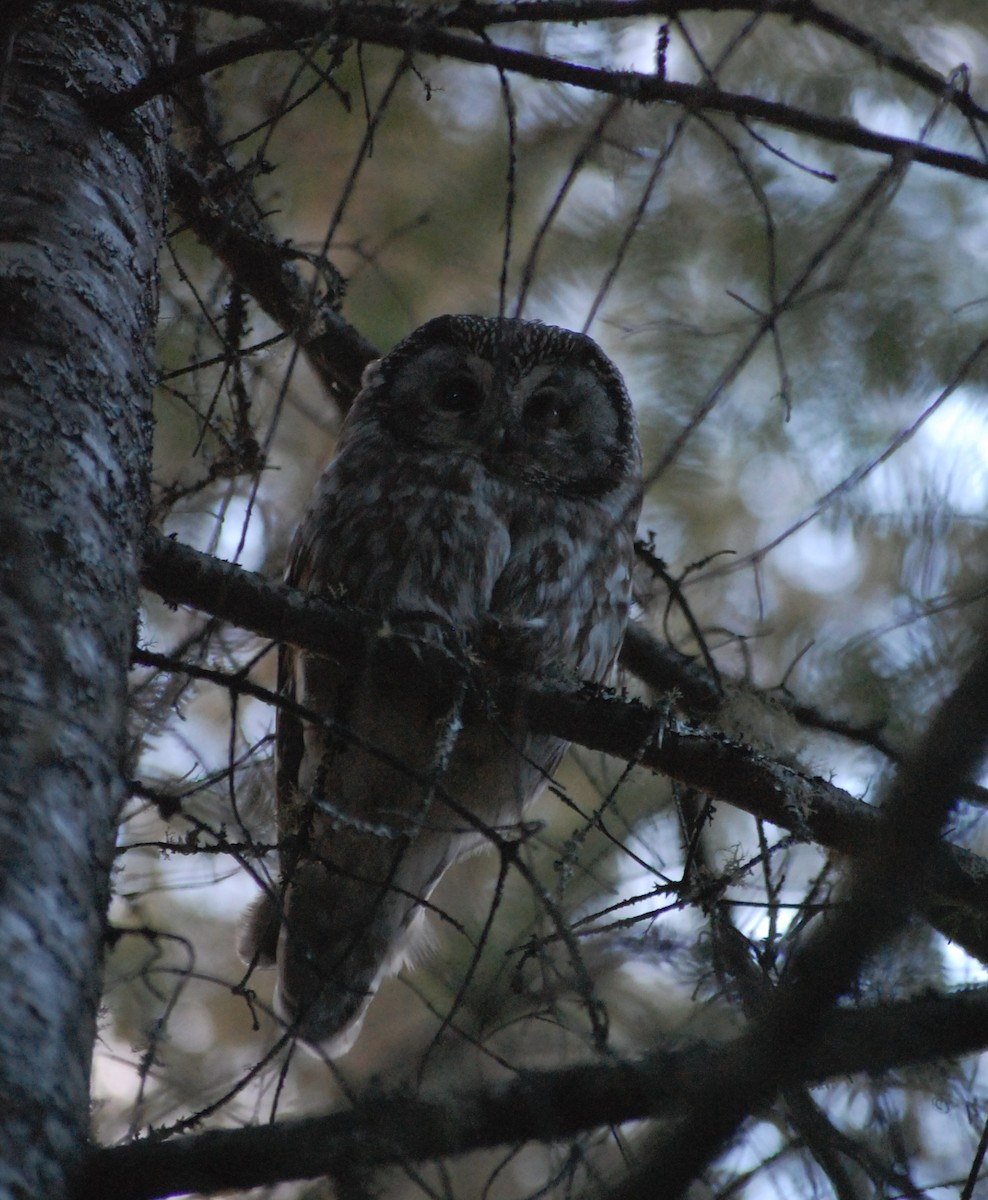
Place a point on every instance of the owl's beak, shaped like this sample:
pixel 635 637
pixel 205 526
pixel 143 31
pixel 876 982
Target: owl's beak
pixel 503 439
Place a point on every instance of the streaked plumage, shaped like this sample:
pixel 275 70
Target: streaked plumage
pixel 483 496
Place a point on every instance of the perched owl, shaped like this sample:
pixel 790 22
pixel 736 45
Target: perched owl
pixel 482 501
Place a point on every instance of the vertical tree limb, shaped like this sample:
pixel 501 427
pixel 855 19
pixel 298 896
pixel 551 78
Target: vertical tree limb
pixel 81 220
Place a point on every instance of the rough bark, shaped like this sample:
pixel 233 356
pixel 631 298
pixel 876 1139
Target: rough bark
pixel 80 223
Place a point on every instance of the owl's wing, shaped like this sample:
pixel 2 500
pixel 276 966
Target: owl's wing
pixel 289 739
pixel 257 942
pixel 289 730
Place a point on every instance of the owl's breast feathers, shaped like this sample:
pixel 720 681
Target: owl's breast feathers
pixel 426 537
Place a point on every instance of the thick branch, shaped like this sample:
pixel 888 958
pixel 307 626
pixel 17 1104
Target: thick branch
pixel 668 670
pixel 538 1105
pixel 181 575
pixel 956 899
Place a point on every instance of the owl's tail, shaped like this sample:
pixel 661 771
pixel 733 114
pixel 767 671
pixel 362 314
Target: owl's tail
pixel 334 939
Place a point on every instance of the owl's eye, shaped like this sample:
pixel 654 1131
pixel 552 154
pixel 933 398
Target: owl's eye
pixel 461 394
pixel 549 408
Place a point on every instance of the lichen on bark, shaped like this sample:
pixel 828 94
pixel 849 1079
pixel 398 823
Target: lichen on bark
pixel 81 220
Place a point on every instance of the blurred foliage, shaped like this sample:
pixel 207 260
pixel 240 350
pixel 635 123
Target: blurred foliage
pixel 824 511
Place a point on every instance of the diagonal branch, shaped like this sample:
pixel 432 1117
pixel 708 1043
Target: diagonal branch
pixel 266 268
pixel 536 1105
pixel 885 882
pixel 414 33
pixel 956 896
pixel 800 12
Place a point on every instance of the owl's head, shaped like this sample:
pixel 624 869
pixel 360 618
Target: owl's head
pixel 532 403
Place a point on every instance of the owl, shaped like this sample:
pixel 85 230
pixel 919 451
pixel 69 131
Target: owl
pixel 482 503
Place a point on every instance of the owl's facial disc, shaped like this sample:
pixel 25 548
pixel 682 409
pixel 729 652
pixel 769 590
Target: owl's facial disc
pixel 554 425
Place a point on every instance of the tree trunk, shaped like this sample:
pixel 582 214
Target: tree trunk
pixel 80 226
